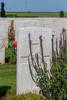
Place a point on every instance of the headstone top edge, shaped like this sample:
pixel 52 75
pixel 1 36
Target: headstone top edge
pixel 34 27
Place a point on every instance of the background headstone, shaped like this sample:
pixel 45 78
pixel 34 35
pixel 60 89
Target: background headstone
pixel 4 32
pixel 3 40
pixel 2 53
pixel 56 24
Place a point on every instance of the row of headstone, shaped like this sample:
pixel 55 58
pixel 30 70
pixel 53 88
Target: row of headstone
pixel 56 24
pixel 34 28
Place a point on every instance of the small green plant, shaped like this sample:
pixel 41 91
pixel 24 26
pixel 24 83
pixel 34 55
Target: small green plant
pixel 28 96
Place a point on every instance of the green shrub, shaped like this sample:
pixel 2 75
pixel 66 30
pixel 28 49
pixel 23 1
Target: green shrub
pixel 55 87
pixel 61 13
pixel 58 80
pixel 7 59
pixel 11 50
pixel 9 56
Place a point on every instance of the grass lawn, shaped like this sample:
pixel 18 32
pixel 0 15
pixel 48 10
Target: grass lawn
pixel 34 14
pixel 7 79
pixel 8 85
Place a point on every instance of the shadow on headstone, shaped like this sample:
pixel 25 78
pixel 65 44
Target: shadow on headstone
pixel 2 9
pixel 3 90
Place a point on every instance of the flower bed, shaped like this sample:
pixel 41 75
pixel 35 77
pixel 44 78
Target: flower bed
pixel 12 46
pixel 53 82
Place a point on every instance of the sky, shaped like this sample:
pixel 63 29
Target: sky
pixel 35 5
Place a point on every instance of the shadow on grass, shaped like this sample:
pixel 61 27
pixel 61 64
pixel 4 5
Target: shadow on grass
pixel 3 90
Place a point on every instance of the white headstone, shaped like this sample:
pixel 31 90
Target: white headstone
pixel 4 31
pixel 28 22
pixel 2 52
pixel 3 40
pixel 25 82
pixel 56 24
pixel 4 26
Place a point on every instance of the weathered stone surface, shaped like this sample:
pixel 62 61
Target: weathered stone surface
pixel 25 82
pixel 3 40
pixel 56 24
pixel 2 53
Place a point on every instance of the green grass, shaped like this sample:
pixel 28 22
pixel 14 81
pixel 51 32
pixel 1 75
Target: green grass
pixel 7 79
pixel 28 96
pixel 8 82
pixel 34 14
pixel 8 85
